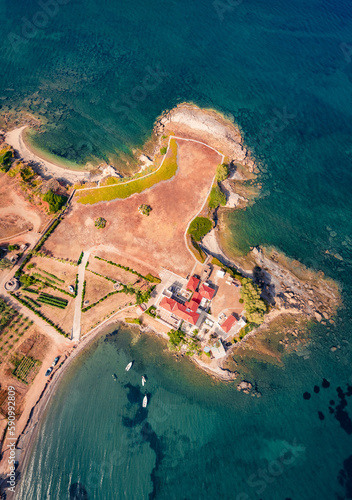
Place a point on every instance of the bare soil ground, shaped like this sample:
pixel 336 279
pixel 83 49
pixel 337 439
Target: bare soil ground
pixel 16 214
pixel 226 299
pixel 99 312
pixel 157 240
pixel 114 272
pixel 113 254
pixel 96 287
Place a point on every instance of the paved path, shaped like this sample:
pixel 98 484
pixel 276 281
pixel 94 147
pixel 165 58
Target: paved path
pixel 76 329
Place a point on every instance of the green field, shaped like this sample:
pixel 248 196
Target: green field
pixel 24 368
pixel 125 189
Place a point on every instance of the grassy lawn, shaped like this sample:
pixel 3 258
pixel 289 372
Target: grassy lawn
pixel 126 189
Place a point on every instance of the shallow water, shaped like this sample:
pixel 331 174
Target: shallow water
pixel 196 439
pixel 283 72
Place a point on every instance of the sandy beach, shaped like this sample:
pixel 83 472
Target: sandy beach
pixel 16 139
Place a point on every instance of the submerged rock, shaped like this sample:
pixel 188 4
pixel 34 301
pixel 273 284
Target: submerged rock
pixel 244 387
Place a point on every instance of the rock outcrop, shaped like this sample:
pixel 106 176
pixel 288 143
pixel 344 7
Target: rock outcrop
pixel 206 126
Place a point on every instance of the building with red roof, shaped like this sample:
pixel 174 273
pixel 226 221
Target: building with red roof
pixel 193 304
pixel 180 310
pixel 168 304
pixel 192 284
pixel 228 323
pixel 206 292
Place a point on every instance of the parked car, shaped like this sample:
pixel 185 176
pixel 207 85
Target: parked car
pixel 55 361
pixel 72 290
pixel 49 370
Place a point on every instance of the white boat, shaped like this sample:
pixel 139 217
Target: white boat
pixel 145 401
pixel 143 380
pixel 128 367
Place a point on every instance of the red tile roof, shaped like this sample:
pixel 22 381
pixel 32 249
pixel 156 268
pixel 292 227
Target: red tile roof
pixel 179 310
pixel 168 304
pixel 192 283
pixel 206 291
pixel 197 297
pixel 194 302
pixel 192 305
pixel 228 323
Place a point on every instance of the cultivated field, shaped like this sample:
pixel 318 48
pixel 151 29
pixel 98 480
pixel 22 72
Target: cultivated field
pixel 49 294
pixel 61 270
pixel 115 272
pixel 104 309
pixel 156 241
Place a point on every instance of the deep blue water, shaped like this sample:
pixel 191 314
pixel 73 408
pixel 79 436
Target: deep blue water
pixel 98 73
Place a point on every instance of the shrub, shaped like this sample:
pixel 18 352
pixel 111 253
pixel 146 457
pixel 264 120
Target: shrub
pixel 152 279
pixel 222 172
pixel 199 227
pixel 216 198
pixel 80 258
pixel 151 311
pixel 254 305
pixel 163 150
pixel 27 173
pixel 144 209
pixel 27 280
pixel 5 263
pixel 13 247
pixel 100 223
pixel 135 321
pixel 176 339
pixel 56 201
pixel 5 160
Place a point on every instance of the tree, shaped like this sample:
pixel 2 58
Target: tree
pixel 5 160
pixel 27 280
pixel 199 227
pixel 193 347
pixel 27 173
pixel 143 296
pixel 56 201
pixel 5 263
pixel 13 247
pixel 144 209
pixel 100 223
pixel 163 150
pixel 6 314
pixel 254 305
pixel 222 172
pixel 176 339
pixel 217 197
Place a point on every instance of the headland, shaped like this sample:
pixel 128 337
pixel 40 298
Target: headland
pixel 147 250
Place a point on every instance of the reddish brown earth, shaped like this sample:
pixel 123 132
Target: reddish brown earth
pixel 16 213
pixel 156 241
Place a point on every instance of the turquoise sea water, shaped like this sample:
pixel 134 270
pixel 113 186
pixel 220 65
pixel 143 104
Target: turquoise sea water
pixel 98 73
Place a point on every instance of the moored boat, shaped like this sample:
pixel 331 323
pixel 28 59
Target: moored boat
pixel 128 367
pixel 114 377
pixel 143 380
pixel 145 401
